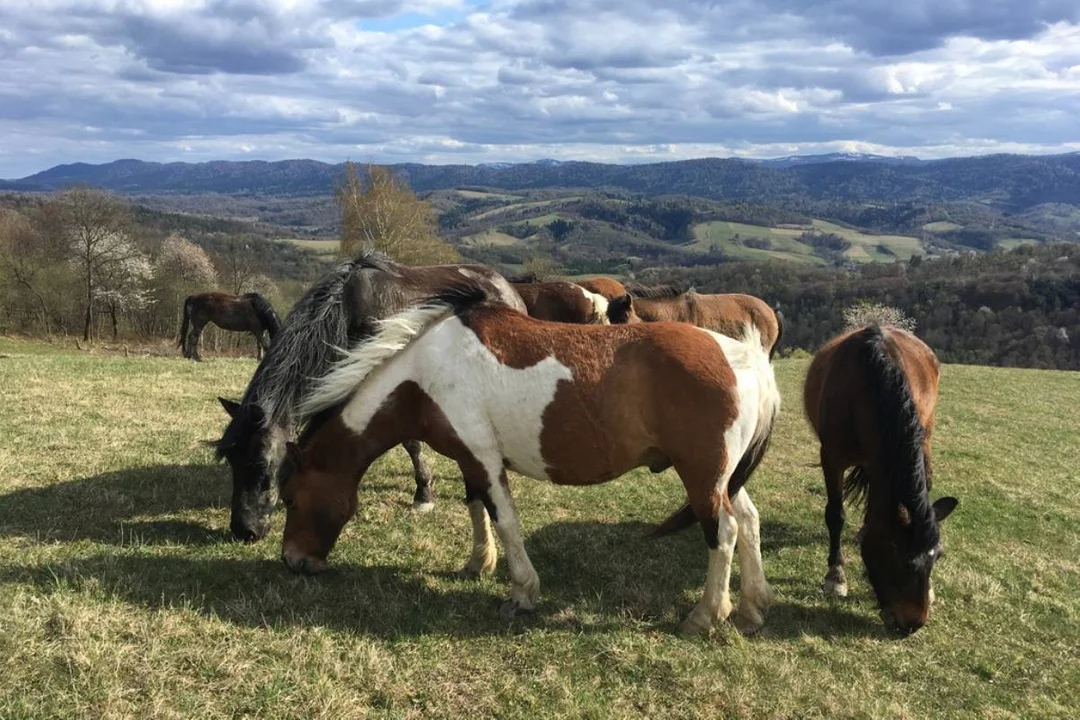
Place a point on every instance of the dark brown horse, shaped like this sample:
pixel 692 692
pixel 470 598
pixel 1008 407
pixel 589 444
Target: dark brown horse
pixel 561 301
pixel 726 314
pixel 239 313
pixel 342 308
pixel 870 396
pixel 574 404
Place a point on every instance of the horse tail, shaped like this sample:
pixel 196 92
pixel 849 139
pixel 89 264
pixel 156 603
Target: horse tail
pixel 266 314
pixel 392 336
pixel 748 354
pixel 900 434
pixel 185 323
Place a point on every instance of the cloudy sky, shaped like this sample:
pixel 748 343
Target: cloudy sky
pixel 463 81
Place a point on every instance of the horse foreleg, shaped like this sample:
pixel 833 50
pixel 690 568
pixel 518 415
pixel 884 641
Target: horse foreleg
pixel 424 497
pixel 835 579
pixel 756 595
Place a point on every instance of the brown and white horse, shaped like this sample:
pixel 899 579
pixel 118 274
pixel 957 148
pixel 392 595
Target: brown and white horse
pixel 561 301
pixel 870 396
pixel 727 313
pixel 610 288
pixel 574 404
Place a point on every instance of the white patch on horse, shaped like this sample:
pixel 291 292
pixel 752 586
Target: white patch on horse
pixel 599 305
pixel 492 407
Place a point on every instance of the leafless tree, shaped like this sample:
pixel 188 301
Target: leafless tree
pixel 382 213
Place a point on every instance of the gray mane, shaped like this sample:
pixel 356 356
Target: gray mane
pixel 313 337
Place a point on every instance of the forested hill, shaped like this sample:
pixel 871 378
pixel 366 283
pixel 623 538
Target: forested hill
pixel 1011 183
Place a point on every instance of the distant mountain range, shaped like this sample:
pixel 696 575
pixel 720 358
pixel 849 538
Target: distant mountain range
pixel 1006 182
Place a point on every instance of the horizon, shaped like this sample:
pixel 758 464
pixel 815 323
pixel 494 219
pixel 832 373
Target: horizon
pixel 444 82
pixel 646 161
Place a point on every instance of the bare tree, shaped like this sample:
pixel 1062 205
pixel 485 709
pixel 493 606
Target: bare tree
pixel 24 258
pixel 384 214
pixel 865 313
pixel 237 265
pixel 96 226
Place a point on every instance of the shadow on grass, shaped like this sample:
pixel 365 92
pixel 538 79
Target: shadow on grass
pixel 98 508
pixel 595 577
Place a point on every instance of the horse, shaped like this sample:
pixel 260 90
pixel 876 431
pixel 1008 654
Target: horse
pixel 726 314
pixel 341 308
pixel 870 396
pixel 249 312
pixel 562 301
pixel 610 288
pixel 574 404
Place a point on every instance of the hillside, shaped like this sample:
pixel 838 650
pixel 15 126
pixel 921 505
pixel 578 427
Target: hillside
pixel 1013 183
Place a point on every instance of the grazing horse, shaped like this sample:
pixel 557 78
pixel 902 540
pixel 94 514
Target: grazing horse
pixel 342 308
pixel 249 312
pixel 574 404
pixel 726 314
pixel 870 396
pixel 608 287
pixel 561 301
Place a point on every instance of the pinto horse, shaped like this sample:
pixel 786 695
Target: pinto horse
pixel 608 287
pixel 574 404
pixel 249 312
pixel 870 396
pixel 561 301
pixel 343 307
pixel 726 314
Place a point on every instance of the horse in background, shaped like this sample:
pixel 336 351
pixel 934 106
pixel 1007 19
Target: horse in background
pixel 562 301
pixel 250 312
pixel 340 309
pixel 870 395
pixel 494 390
pixel 727 314
pixel 610 288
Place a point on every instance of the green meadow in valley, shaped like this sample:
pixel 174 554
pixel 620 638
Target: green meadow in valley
pixel 121 595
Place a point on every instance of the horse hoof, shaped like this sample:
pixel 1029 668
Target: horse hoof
pixel 749 622
pixel 510 609
pixel 836 589
pixel 423 507
pixel 468 573
pixel 692 626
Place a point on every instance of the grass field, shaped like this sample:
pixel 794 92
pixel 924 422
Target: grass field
pixel 120 595
pixel 864 247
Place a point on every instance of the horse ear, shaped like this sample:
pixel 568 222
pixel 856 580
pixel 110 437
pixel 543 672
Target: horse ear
pixel 231 406
pixel 295 455
pixel 943 507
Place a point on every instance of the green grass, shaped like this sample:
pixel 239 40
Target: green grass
pixel 941 226
pixel 328 246
pixel 785 244
pixel 120 595
pixel 490 237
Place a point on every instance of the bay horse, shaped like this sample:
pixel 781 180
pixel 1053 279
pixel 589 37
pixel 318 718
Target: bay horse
pixel 562 301
pixel 870 396
pixel 493 390
pixel 725 313
pixel 250 312
pixel 341 308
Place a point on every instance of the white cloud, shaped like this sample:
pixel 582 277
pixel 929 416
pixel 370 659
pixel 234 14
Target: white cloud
pixel 451 81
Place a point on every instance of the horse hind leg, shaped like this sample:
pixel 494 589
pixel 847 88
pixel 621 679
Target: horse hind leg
pixel 756 594
pixel 193 339
pixel 835 582
pixel 424 497
pixel 484 554
pixel 524 582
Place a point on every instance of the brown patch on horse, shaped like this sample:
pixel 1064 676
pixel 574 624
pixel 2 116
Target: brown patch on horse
pixel 557 301
pixel 610 288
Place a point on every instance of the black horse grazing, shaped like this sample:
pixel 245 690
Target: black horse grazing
pixel 343 307
pixel 239 313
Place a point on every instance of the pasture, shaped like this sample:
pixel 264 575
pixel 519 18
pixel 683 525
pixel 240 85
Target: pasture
pixel 120 595
pixel 786 246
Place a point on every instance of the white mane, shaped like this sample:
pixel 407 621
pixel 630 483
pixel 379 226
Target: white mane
pixel 393 335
